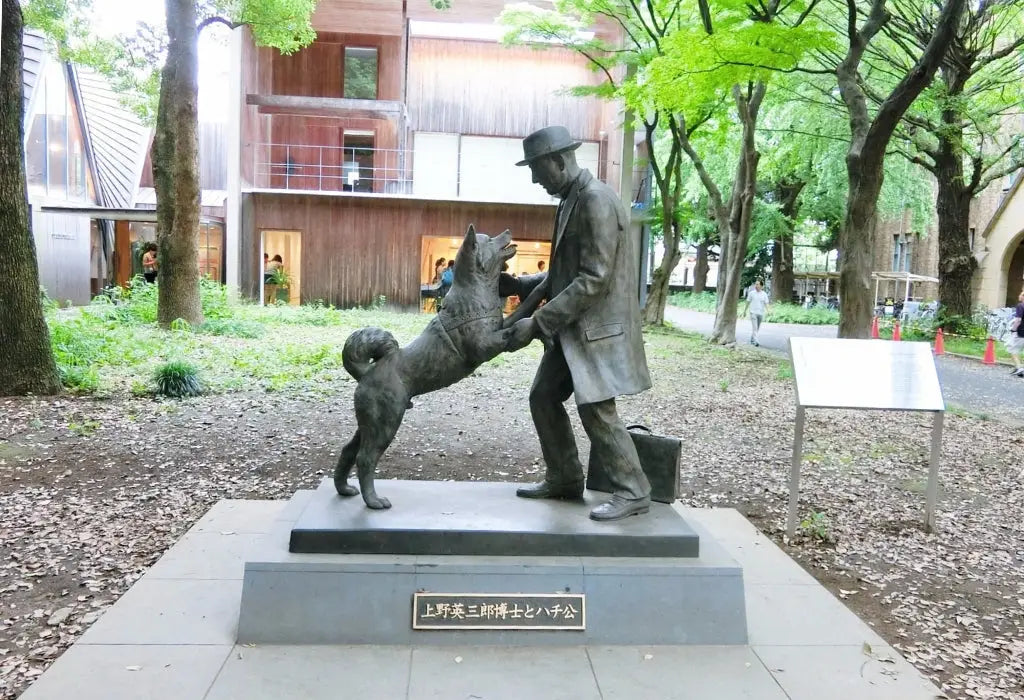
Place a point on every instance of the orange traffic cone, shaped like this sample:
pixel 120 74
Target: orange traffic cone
pixel 874 327
pixel 990 352
pixel 940 343
pixel 896 330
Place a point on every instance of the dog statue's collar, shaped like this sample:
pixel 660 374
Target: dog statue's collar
pixel 457 320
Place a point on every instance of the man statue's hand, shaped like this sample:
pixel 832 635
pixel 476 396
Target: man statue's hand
pixel 508 286
pixel 520 334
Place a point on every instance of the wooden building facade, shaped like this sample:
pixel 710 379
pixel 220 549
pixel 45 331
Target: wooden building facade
pixel 363 158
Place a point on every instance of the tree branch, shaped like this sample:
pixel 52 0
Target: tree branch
pixel 216 20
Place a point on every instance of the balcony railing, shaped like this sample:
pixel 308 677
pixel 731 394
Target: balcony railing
pixel 384 171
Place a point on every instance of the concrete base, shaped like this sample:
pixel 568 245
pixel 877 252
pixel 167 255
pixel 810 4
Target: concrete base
pixel 482 518
pixel 290 598
pixel 171 637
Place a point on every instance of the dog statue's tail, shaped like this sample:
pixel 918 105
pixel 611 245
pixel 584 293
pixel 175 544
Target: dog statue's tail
pixel 364 347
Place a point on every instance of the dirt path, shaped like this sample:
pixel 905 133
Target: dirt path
pixel 92 492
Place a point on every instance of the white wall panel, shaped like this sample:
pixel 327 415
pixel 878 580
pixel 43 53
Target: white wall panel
pixel 435 165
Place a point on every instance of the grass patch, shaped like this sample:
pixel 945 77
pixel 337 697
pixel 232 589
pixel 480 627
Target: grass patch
pixel 114 346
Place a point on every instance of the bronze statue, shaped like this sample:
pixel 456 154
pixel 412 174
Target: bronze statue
pixel 590 327
pixel 464 334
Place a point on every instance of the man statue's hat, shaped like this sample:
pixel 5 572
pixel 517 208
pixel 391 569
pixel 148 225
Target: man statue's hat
pixel 544 142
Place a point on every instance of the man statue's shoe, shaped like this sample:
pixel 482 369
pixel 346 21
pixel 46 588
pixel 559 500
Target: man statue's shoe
pixel 618 508
pixel 570 492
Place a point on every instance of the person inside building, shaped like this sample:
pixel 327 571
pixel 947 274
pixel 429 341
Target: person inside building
pixel 438 271
pixel 150 264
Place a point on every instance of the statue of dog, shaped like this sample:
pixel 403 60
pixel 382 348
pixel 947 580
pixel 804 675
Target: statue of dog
pixel 464 334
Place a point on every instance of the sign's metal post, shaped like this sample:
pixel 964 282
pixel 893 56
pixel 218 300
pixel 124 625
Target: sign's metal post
pixel 876 376
pixel 794 472
pixel 933 472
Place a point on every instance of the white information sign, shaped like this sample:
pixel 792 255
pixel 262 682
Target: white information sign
pixel 864 374
pixel 838 373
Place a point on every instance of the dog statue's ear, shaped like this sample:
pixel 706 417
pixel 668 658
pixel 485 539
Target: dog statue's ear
pixel 470 241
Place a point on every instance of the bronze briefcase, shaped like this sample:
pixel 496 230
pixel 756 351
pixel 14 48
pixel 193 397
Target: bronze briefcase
pixel 659 458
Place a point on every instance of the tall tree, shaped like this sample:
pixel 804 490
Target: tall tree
pixel 958 131
pixel 26 358
pixel 175 156
pixel 869 140
pixel 645 27
pixel 284 24
pixel 281 24
pixel 751 46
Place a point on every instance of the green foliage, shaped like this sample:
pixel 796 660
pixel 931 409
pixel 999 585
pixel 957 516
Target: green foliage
pixel 80 380
pixel 279 277
pixel 177 379
pixel 705 301
pixel 777 313
pixel 793 313
pixel 46 301
pixel 816 526
pixel 230 327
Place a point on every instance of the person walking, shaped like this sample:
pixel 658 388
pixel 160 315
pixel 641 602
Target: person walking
pixel 1015 339
pixel 757 305
pixel 590 327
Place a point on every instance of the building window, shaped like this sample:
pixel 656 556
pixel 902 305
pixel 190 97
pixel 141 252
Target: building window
pixel 901 250
pixel 360 73
pixel 357 169
pixel 35 155
pixel 76 154
pixel 971 238
pixel 210 235
pixel 56 130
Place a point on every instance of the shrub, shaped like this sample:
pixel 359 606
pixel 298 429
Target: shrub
pixel 792 313
pixel 231 327
pixel 705 301
pixel 81 380
pixel 177 379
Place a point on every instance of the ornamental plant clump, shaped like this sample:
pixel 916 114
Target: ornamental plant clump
pixel 177 379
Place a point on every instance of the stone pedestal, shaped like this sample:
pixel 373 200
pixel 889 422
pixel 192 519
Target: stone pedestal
pixel 482 518
pixel 475 538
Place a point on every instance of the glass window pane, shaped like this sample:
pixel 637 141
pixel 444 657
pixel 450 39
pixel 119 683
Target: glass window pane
pixel 56 129
pixel 360 73
pixel 76 153
pixel 35 155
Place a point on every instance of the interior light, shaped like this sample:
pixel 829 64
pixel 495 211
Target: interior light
pixel 536 246
pixel 56 147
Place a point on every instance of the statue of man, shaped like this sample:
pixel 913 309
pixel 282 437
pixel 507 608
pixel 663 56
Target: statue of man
pixel 590 327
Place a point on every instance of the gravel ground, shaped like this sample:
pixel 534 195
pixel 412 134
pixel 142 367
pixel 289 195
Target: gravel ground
pixel 92 492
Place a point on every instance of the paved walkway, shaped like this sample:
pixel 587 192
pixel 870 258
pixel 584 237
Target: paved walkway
pixel 172 637
pixel 967 384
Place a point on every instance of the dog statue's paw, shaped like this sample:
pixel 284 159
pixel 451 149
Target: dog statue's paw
pixel 346 489
pixel 377 502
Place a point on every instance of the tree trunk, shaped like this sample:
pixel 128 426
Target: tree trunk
pixel 26 357
pixel 869 138
pixel 737 231
pixel 700 271
pixel 856 241
pixel 782 251
pixel 654 309
pixel 953 202
pixel 176 171
pixel 782 269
